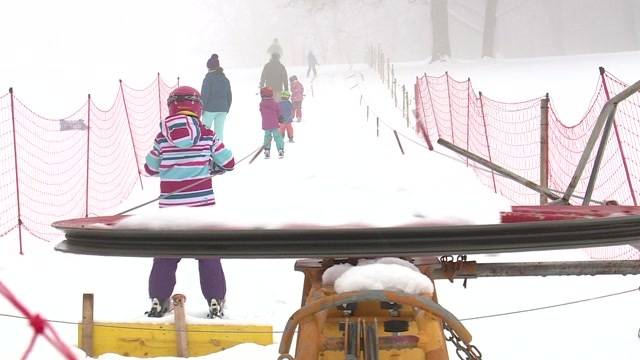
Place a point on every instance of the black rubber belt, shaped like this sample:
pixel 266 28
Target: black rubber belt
pixel 344 242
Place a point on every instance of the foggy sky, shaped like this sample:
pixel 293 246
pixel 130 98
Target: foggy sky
pixel 92 42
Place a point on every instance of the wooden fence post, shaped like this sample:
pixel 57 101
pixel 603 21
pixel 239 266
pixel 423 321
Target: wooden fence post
pixel 544 146
pixel 87 324
pixel 182 345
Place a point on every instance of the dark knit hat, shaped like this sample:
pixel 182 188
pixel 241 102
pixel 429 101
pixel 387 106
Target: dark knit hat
pixel 213 63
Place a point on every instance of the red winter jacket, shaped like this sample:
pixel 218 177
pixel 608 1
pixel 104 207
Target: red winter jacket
pixel 297 91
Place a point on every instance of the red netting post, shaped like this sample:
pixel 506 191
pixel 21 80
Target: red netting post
pixel 468 106
pixel 615 128
pixel 421 124
pixel 486 137
pixel 133 144
pixel 433 109
pixel 15 162
pixel 453 139
pixel 544 146
pixel 86 192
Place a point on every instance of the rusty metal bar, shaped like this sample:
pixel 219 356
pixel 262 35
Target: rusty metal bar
pixel 499 169
pixel 471 269
pixel 606 115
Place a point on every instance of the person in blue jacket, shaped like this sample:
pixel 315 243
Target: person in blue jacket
pixel 216 97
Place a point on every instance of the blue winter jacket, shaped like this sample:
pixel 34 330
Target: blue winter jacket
pixel 286 111
pixel 216 92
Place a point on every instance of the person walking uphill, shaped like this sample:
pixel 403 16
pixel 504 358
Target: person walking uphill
pixel 312 62
pixel 275 48
pixel 183 154
pixel 216 96
pixel 274 75
pixel 270 112
pixel 297 95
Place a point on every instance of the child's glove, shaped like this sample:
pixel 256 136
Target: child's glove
pixel 216 169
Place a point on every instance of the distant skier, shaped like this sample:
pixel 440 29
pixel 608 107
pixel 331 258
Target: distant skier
pixel 275 48
pixel 297 95
pixel 312 62
pixel 216 96
pixel 184 153
pixel 270 112
pixel 274 75
pixel 286 115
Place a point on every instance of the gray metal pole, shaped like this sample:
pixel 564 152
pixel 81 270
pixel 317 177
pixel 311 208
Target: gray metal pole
pixel 598 160
pixel 517 178
pixel 555 268
pixel 602 118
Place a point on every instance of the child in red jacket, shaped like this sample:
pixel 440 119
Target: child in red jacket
pixel 297 94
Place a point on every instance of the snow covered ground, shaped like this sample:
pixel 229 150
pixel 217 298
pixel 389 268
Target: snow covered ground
pixel 339 171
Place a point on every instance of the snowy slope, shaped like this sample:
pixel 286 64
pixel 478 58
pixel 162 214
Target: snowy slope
pixel 339 169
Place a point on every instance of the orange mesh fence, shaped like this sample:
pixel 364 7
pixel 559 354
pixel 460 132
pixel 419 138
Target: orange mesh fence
pixel 86 163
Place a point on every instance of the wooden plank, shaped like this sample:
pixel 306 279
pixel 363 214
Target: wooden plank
pixel 146 340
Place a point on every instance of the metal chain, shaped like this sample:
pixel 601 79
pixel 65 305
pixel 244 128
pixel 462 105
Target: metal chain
pixel 464 352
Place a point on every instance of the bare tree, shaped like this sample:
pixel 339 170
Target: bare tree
pixel 489 33
pixel 441 49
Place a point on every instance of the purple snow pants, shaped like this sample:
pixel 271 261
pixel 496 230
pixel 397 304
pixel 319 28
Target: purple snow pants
pixel 163 278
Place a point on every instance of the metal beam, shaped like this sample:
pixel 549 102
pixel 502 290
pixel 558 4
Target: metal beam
pixel 606 115
pixel 499 169
pixel 471 269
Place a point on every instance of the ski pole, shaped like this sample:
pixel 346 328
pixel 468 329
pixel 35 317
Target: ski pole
pixel 188 186
pixel 256 154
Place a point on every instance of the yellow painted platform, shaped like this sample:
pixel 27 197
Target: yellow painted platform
pixel 152 339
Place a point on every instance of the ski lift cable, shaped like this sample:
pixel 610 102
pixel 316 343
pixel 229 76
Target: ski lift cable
pixel 551 306
pixel 540 308
pixel 256 151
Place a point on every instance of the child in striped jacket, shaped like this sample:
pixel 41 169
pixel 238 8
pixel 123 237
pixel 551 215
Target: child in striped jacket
pixel 184 154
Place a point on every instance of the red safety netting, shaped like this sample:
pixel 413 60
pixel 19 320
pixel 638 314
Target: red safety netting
pixel 508 134
pixel 41 327
pixel 86 163
pixel 504 133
